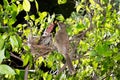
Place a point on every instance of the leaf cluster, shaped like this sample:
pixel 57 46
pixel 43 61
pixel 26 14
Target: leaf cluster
pixel 94 38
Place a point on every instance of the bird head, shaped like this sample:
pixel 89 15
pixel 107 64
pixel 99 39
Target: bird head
pixel 61 25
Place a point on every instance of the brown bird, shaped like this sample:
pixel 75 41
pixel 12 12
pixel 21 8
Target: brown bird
pixel 62 44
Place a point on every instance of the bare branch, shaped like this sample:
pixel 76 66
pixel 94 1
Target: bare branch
pixel 26 72
pixel 15 56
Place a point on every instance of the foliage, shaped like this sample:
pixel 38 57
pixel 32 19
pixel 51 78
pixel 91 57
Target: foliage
pixel 98 50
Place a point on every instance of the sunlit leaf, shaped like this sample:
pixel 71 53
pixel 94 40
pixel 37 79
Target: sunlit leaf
pixel 2 56
pixel 109 7
pixel 25 59
pixel 60 17
pixel 4 36
pixel 27 48
pixel 13 7
pixel 20 8
pixel 5 3
pixel 19 41
pixel 84 46
pixel 99 7
pixel 37 21
pixel 76 62
pixel 51 18
pixel 91 53
pixel 50 64
pixel 62 1
pixel 14 43
pixel 13 0
pixel 32 17
pixel 49 77
pixel 79 7
pixel 43 15
pixel 31 0
pixel 92 2
pixel 17 71
pixel 27 32
pixel 1 43
pixel 88 9
pixel 45 75
pixel 11 21
pixel 26 5
pixel 40 60
pixel 5 69
pixel 5 20
pixel 37 6
pixel 95 64
pixel 27 17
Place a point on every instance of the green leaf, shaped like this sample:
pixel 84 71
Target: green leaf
pixel 1 43
pixel 5 69
pixel 5 3
pixel 27 17
pixel 37 6
pixel 7 54
pixel 79 7
pixel 26 5
pixel 13 0
pixel 25 59
pixel 11 21
pixel 19 41
pixel 31 0
pixel 13 7
pixel 60 17
pixel 109 7
pixel 20 8
pixel 5 20
pixel 45 75
pixel 42 15
pixel 40 60
pixel 2 56
pixel 4 36
pixel 91 53
pixel 50 63
pixel 62 1
pixel 95 64
pixel 32 17
pixel 14 43
pixel 92 2
pixel 103 49
pixel 27 32
pixel 51 18
pixel 84 45
pixel 117 57
pixel 26 48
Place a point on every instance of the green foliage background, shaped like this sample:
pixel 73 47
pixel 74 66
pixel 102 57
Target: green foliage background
pixel 99 49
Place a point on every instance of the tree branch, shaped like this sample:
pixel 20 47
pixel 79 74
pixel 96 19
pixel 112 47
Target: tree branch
pixel 26 72
pixel 15 56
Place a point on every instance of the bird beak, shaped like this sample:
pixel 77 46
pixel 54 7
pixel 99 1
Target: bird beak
pixel 59 25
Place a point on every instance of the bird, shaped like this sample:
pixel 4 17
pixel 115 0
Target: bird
pixel 43 45
pixel 62 44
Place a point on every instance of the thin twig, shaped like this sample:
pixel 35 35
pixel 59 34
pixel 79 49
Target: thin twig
pixel 15 56
pixel 26 72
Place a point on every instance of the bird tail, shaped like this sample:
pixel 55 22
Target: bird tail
pixel 69 63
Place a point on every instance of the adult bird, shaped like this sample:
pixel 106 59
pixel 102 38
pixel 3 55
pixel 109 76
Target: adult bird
pixel 62 44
